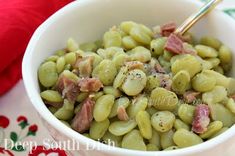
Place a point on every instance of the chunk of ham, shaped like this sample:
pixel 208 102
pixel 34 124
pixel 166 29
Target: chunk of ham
pixel 174 44
pixel 167 29
pixel 122 114
pixel 134 65
pixel 159 68
pixel 82 120
pixel 84 65
pixel 201 119
pixel 190 96
pixel 165 81
pixel 68 88
pixel 90 85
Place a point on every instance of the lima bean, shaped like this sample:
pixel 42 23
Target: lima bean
pixel 181 82
pixel 105 71
pixel 122 101
pixel 135 82
pixel 129 43
pixel 51 96
pixel 60 64
pixel 140 54
pixel 178 124
pixel 186 113
pixel 163 99
pixel 205 51
pixel 220 113
pixel 98 129
pixel 90 46
pixel 138 104
pixel 203 82
pixel 216 95
pixel 133 140
pixel 112 39
pixel 152 147
pixel 47 74
pixel 109 137
pixel 212 129
pixel 211 42
pixel 72 45
pixel 157 46
pixel 230 105
pixel 188 63
pixel 144 124
pixel 112 91
pixel 163 121
pixel 167 139
pixel 103 107
pixel 155 140
pixel 184 138
pixel 139 35
pixel 66 111
pixel 120 128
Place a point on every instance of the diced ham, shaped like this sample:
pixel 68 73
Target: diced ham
pixel 159 68
pixel 190 96
pixel 233 97
pixel 82 120
pixel 168 29
pixel 174 44
pixel 134 65
pixel 84 65
pixel 122 114
pixel 201 119
pixel 165 81
pixel 90 84
pixel 68 88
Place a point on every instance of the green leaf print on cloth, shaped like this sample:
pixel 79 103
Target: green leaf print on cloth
pixel 230 12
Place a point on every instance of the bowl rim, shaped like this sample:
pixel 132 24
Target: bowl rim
pixel 72 134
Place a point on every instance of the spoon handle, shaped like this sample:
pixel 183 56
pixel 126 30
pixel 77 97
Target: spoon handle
pixel 189 22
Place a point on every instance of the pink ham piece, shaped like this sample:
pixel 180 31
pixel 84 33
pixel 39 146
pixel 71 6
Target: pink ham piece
pixel 167 29
pixel 82 120
pixel 190 96
pixel 174 44
pixel 134 65
pixel 201 119
pixel 122 114
pixel 68 88
pixel 90 85
pixel 165 81
pixel 84 65
pixel 159 68
pixel 233 97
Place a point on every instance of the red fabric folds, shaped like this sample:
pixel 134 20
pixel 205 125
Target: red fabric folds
pixel 19 19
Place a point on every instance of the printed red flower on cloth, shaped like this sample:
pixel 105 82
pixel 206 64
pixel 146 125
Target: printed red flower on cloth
pixel 42 151
pixel 22 121
pixel 32 130
pixel 5 152
pixel 4 121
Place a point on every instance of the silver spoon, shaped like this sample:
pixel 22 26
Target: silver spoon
pixel 189 22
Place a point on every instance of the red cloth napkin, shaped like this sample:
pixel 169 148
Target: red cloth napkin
pixel 18 21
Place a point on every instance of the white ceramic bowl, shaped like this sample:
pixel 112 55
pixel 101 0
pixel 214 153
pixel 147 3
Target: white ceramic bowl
pixel 87 20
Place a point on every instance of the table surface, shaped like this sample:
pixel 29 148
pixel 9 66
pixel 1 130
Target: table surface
pixel 21 122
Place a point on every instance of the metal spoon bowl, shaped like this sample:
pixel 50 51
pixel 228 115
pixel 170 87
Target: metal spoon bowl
pixel 191 20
